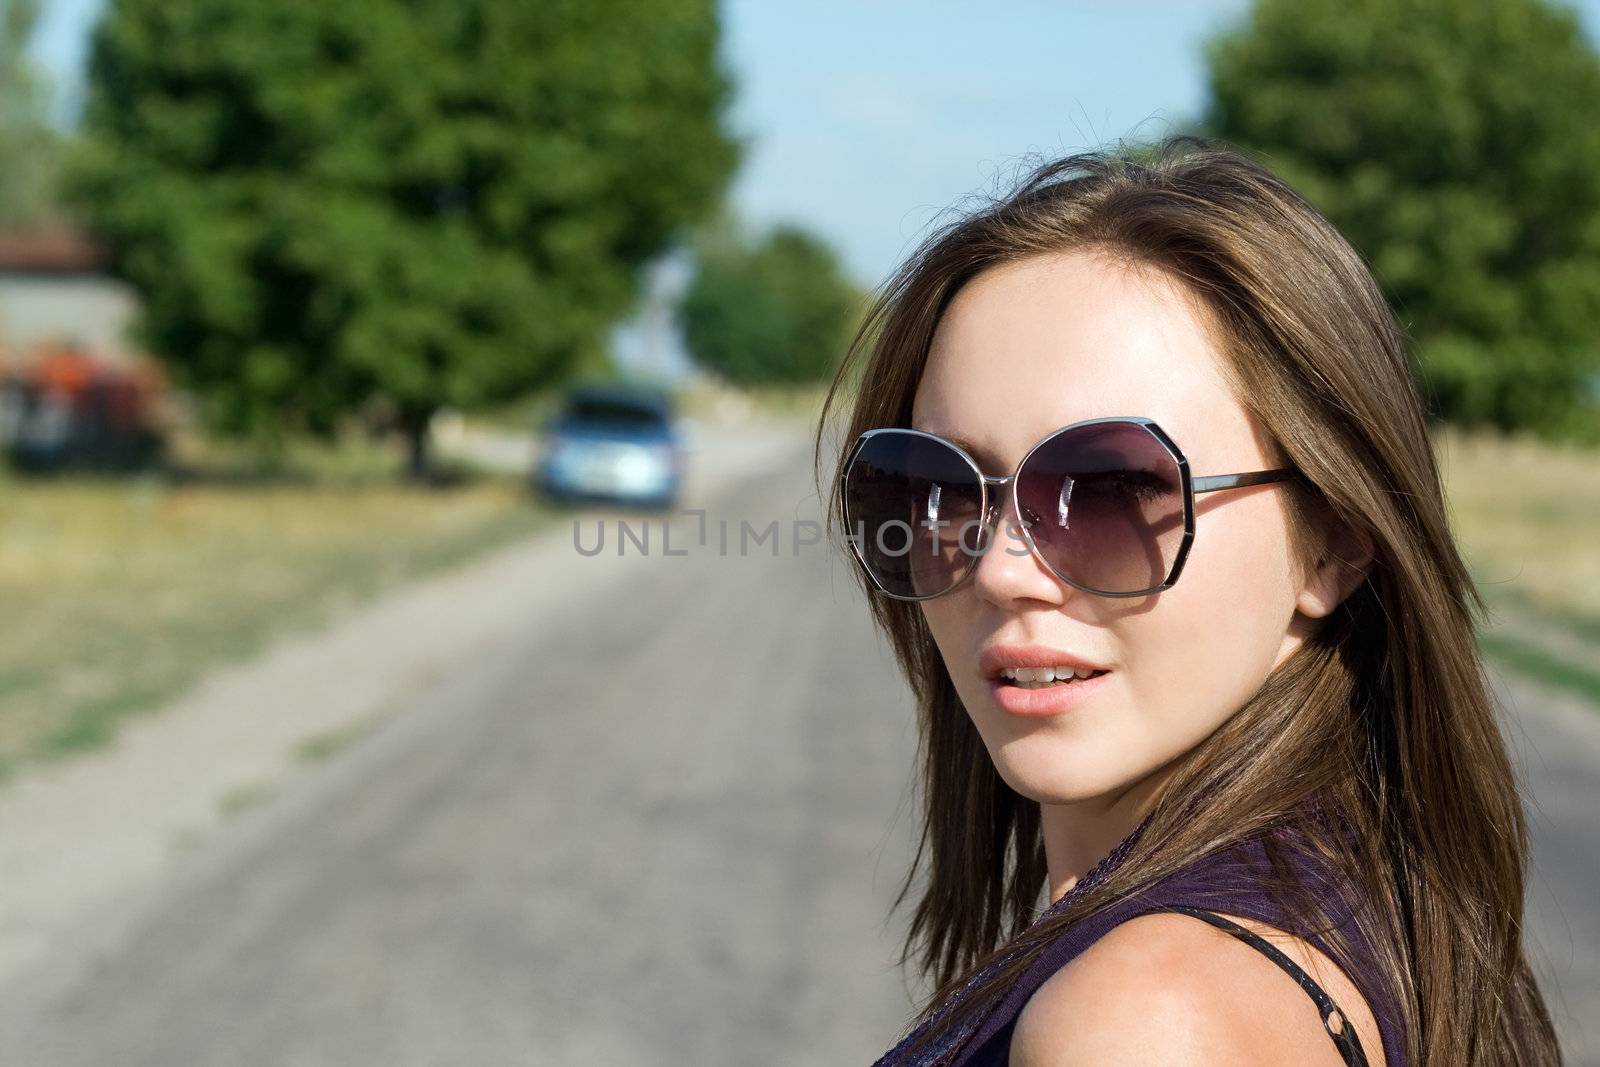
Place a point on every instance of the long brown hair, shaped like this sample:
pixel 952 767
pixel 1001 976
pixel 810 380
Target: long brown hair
pixel 1383 717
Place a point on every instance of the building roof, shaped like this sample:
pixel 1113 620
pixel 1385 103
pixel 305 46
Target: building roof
pixel 59 251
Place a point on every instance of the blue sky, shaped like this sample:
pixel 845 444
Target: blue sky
pixel 869 118
pixel 873 117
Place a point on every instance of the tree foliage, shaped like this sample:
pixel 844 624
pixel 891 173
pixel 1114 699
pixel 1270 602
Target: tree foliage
pixel 776 311
pixel 1454 142
pixel 429 202
pixel 28 146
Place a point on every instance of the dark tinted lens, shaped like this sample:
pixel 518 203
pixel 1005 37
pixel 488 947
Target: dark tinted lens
pixel 909 500
pixel 1104 504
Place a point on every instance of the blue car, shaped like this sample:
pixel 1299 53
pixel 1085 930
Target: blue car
pixel 613 443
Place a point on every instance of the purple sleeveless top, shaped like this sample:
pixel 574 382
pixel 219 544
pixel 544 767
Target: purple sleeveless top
pixel 1231 882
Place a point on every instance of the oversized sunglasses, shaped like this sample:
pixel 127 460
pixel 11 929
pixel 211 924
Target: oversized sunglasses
pixel 1107 505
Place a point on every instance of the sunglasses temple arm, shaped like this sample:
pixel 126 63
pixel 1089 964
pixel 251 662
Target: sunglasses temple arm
pixel 1211 483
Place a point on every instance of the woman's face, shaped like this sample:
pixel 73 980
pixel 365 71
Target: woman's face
pixel 1030 346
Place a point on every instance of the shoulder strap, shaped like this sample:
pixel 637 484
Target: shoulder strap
pixel 1344 1039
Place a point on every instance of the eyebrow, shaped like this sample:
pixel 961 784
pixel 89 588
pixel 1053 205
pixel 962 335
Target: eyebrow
pixel 956 439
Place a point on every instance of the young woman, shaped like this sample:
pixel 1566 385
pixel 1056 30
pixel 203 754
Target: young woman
pixel 1139 484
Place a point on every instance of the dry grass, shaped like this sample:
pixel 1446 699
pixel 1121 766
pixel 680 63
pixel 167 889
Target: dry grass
pixel 118 594
pixel 1527 515
pixel 706 398
pixel 702 396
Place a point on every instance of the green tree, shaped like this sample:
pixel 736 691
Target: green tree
pixel 1454 142
pixel 778 311
pixel 429 202
pixel 28 146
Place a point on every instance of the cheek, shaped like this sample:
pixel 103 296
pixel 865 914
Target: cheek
pixel 1213 638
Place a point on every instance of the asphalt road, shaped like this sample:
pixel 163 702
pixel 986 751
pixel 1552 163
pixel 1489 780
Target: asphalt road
pixel 660 824
pixel 1555 742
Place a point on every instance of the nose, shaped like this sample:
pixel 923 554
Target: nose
pixel 1008 571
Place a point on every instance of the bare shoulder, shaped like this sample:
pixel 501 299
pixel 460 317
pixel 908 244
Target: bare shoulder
pixel 1171 989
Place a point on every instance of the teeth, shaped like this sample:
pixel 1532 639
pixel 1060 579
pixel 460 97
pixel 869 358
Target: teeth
pixel 1040 676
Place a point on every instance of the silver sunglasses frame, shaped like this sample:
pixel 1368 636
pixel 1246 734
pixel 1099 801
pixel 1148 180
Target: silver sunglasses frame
pixel 988 502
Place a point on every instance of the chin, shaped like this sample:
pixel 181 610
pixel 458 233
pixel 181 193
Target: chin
pixel 1051 770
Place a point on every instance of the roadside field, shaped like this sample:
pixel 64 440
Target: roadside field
pixel 118 593
pixel 1527 515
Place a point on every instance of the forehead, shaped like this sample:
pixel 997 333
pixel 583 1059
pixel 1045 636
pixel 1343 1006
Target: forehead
pixel 1032 345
